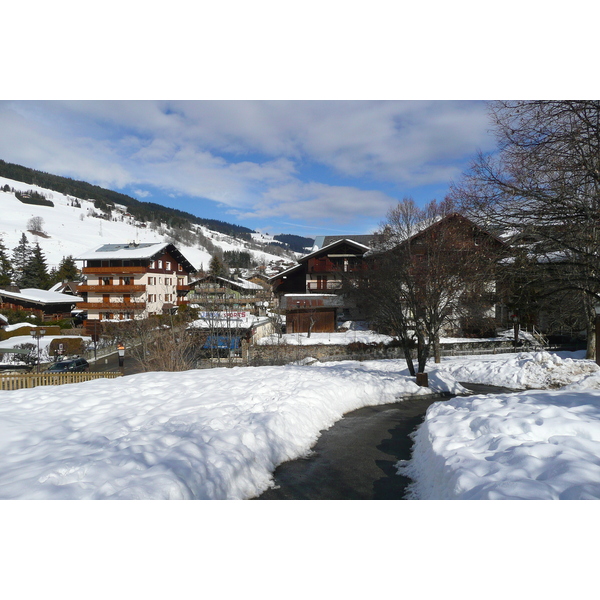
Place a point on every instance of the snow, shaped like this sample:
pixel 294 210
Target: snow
pixel 45 296
pixel 72 230
pixel 539 444
pixel 122 251
pixel 215 434
pixel 525 370
pixel 220 433
pixel 16 326
pixel 337 338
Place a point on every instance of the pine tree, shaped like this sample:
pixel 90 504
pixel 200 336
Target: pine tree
pixel 6 271
pixel 20 257
pixel 67 271
pixel 35 273
pixel 217 268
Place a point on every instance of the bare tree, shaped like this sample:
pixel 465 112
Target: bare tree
pixel 544 184
pixel 428 267
pixel 159 342
pixel 36 225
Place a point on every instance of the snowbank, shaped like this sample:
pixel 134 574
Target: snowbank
pixel 534 445
pixel 213 434
pixel 529 445
pixel 527 370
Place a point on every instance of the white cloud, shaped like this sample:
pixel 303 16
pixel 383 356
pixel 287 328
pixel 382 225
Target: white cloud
pixel 258 158
pixel 318 201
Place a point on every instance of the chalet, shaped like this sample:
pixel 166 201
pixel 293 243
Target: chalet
pixel 127 281
pixel 221 293
pixel 47 305
pixel 310 293
pixel 462 241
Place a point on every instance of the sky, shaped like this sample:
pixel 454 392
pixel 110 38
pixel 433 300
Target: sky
pixel 304 167
pixel 285 118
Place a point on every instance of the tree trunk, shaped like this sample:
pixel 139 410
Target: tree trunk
pixel 591 339
pixel 437 354
pixel 409 360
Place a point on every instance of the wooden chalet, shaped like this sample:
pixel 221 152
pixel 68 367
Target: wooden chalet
pixel 310 293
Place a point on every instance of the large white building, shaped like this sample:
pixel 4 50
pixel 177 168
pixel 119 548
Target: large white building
pixel 127 281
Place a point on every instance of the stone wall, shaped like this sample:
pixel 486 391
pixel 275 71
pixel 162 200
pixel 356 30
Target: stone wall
pixel 279 354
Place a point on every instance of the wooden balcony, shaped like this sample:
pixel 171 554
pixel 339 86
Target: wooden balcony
pixel 113 270
pixel 111 305
pixel 329 266
pixel 183 288
pixel 111 289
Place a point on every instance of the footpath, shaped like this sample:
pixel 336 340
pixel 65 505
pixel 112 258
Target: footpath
pixel 354 459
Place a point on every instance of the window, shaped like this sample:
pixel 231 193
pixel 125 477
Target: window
pixel 179 268
pixel 152 263
pixel 167 265
pixel 160 264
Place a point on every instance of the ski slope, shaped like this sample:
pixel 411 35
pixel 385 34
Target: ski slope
pixel 71 229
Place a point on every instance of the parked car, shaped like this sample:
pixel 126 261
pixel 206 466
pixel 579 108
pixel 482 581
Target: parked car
pixel 70 366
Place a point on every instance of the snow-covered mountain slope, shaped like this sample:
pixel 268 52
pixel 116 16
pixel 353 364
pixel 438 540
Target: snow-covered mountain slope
pixel 73 226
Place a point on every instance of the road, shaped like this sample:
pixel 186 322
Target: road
pixel 111 363
pixel 354 459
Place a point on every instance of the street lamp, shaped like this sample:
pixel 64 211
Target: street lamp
pixel 597 309
pixel 36 334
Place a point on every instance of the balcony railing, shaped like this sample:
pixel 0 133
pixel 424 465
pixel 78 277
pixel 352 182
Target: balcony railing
pixel 108 289
pixel 328 266
pixel 111 305
pixel 304 302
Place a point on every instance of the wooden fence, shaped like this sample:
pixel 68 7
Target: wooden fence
pixel 30 380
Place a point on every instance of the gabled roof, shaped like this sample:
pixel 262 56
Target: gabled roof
pixel 124 251
pixel 133 250
pixel 456 217
pixel 40 296
pixel 423 227
pixel 360 247
pixel 241 283
pixel 325 240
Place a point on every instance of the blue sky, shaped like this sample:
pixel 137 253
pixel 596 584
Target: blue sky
pixel 304 167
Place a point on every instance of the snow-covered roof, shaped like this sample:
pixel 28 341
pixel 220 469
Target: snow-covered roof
pixel 243 283
pixel 40 296
pixel 134 250
pixel 123 251
pixel 229 320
